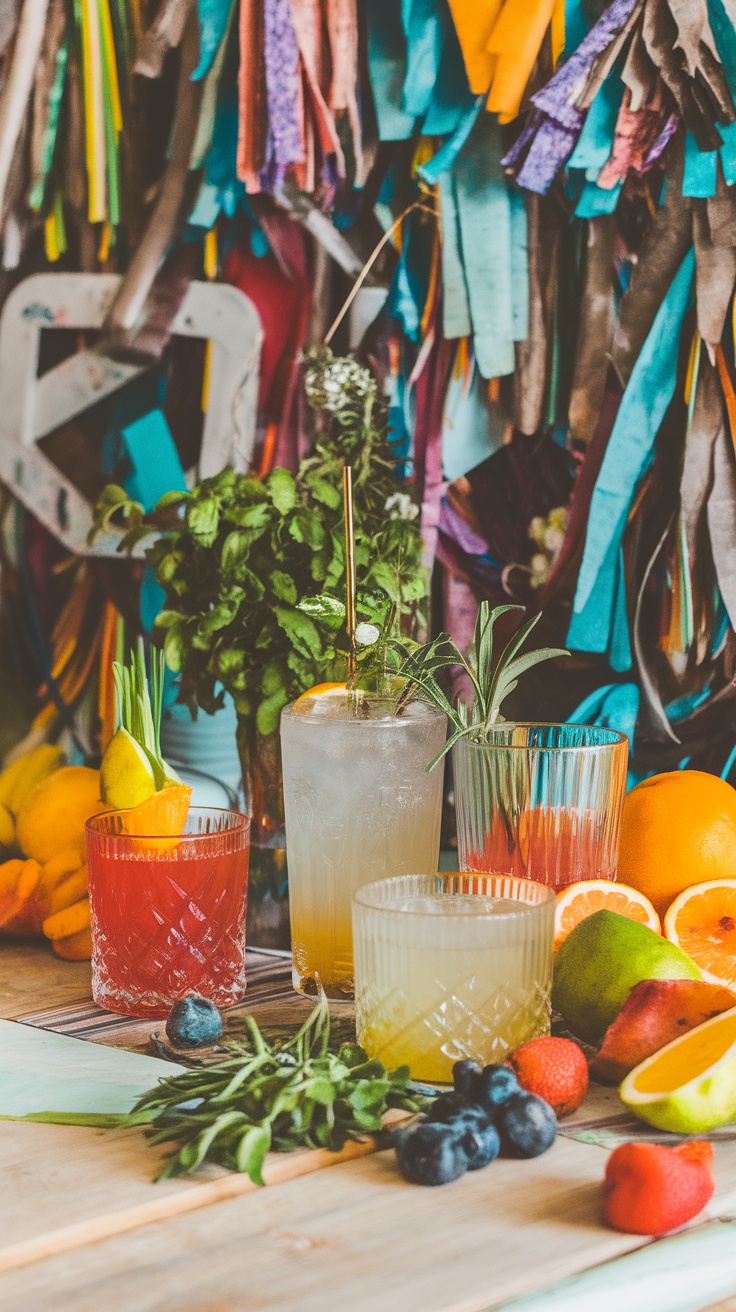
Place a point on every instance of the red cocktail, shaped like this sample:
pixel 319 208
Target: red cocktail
pixel 541 801
pixel 168 914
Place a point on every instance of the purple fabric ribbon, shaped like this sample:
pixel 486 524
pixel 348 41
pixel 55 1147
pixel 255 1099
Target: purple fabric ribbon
pixel 549 139
pixel 281 57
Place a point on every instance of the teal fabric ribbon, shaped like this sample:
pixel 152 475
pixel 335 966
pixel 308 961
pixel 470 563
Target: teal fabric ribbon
pixel 599 606
pixel 485 237
pixel 519 265
pixel 432 171
pixel 214 16
pixel 220 170
pixel 156 469
pixel 451 97
pixel 612 706
pixel 725 39
pixel 473 428
pixel 576 25
pixel 206 208
pixel 387 63
pixel 422 24
pixel 594 147
pixel 594 144
pixel 728 152
pixel 596 200
pixel 403 303
pixel 455 303
pixel 701 169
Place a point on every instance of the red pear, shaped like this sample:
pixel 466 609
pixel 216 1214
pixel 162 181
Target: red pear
pixel 655 1012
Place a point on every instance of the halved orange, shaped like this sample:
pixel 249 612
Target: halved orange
pixel 578 901
pixel 163 814
pixel 702 921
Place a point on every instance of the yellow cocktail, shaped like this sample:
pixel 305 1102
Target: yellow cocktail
pixel 450 967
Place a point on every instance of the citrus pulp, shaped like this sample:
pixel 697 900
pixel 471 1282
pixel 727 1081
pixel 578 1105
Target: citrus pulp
pixel 689 1086
pixel 578 901
pixel 702 921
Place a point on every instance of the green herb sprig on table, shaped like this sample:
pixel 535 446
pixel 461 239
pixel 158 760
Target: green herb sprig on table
pixel 272 1097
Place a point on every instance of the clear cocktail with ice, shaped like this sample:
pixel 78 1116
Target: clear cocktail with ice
pixel 360 806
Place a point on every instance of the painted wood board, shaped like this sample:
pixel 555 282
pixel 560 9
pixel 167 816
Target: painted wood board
pixel 678 1273
pixel 494 1236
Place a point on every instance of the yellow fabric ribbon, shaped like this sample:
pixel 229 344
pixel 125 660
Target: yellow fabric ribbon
pixel 500 42
pixel 474 21
pixel 515 40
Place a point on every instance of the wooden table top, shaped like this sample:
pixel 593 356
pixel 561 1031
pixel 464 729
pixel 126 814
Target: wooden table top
pixel 354 1236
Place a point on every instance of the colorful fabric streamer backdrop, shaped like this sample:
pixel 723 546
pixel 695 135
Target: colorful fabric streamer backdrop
pixel 552 186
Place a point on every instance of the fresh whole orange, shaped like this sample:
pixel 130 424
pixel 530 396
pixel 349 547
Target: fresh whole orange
pixel 678 829
pixel 52 819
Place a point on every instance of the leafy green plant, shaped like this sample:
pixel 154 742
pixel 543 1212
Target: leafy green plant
pixel 253 571
pixel 272 1097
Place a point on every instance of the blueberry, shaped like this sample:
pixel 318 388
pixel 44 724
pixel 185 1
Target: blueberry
pixel 193 1022
pixel 464 1075
pixel 495 1085
pixel 482 1145
pixel 528 1125
pixel 446 1106
pixel 430 1153
pixel 466 1115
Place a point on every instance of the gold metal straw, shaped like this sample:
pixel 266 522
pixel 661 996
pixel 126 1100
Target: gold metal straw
pixel 350 612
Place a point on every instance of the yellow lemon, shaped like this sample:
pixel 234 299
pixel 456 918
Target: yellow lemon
pixel 126 774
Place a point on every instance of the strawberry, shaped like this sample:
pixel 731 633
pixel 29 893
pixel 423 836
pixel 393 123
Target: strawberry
pixel 555 1069
pixel 651 1189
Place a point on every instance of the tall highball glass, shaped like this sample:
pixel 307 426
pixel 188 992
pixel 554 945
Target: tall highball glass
pixel 360 804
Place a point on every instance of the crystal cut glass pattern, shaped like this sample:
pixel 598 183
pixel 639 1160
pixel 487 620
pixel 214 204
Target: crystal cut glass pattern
pixel 167 923
pixel 451 966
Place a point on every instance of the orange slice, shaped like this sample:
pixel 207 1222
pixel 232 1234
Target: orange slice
pixel 702 921
pixel 303 703
pixel 163 814
pixel 580 900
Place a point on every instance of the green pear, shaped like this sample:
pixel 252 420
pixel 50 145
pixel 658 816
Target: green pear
pixel 598 965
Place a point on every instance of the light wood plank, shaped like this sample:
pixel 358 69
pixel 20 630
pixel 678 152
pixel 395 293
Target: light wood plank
pixel 356 1236
pixel 32 976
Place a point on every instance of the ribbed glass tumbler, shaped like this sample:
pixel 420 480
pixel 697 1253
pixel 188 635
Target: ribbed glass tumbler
pixel 168 914
pixel 541 801
pixel 450 967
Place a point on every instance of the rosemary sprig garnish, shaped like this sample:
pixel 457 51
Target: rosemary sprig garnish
pixel 272 1097
pixel 493 677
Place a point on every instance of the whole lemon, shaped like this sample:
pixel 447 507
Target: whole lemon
pixel 52 819
pixel 677 829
